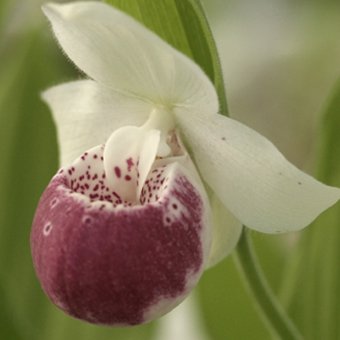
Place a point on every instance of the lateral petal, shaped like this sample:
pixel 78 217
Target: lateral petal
pixel 251 177
pixel 226 232
pixel 86 114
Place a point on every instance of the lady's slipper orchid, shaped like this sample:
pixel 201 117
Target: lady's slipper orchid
pixel 125 229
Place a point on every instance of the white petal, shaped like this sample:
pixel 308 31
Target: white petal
pixel 117 51
pixel 251 177
pixel 86 114
pixel 226 232
pixel 128 157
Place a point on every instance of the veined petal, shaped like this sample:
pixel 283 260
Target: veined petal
pixel 251 177
pixel 128 157
pixel 124 55
pixel 86 114
pixel 225 233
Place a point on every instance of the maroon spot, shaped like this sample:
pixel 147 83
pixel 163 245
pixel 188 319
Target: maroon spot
pixel 174 206
pixel 116 195
pixel 47 228
pixel 130 163
pixel 128 178
pixel 96 187
pixel 88 220
pixel 117 171
pixel 95 156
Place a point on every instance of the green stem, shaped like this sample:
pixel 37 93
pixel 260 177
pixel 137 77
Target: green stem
pixel 268 306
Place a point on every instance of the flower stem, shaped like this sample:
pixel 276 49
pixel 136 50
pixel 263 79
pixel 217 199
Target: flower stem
pixel 268 306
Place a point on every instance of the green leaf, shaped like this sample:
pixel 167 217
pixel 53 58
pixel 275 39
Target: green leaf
pixel 182 23
pixel 314 297
pixel 228 311
pixel 330 141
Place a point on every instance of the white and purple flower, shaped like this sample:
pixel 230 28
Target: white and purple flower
pixel 125 229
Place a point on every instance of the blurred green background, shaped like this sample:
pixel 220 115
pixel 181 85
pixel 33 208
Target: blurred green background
pixel 281 61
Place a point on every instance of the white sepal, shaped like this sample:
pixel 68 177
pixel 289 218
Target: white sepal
pixel 116 50
pixel 251 177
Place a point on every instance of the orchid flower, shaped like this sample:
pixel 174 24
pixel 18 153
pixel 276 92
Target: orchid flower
pixel 155 184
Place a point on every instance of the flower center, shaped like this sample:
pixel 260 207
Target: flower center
pixel 131 168
pixel 162 120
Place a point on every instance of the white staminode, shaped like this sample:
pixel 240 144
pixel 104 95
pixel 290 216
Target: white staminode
pixel 135 72
pixel 128 156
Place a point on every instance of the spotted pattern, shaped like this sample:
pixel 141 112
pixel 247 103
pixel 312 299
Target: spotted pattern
pixel 154 185
pixel 87 177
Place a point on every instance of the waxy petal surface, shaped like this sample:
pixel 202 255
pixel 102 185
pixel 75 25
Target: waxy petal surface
pixel 128 157
pixel 116 264
pixel 251 177
pixel 86 114
pixel 122 54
